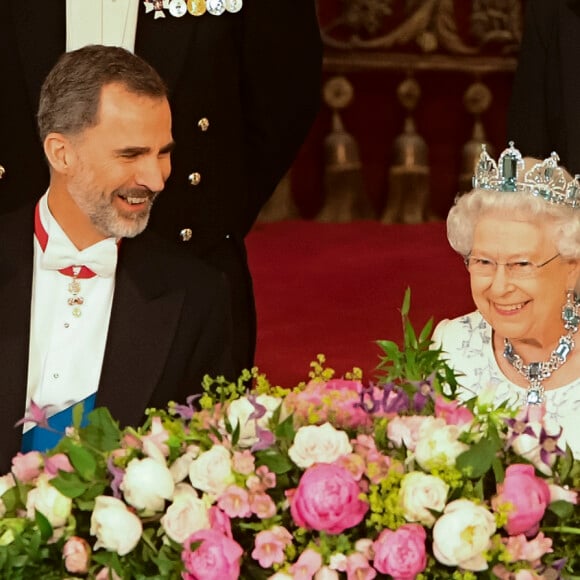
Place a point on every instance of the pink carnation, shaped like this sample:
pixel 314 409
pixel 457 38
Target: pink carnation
pixel 216 558
pixel 235 502
pixel 359 568
pixel 453 412
pixel 262 505
pixel 519 548
pixel 335 401
pixel 528 496
pixel 401 554
pixel 307 565
pixel 269 546
pixel 327 499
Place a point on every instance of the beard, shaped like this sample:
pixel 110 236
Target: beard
pixel 110 220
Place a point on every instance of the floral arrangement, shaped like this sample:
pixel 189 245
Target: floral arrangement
pixel 335 478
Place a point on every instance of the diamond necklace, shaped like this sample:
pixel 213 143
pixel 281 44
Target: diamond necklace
pixel 536 372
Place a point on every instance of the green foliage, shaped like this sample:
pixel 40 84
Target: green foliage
pixel 417 360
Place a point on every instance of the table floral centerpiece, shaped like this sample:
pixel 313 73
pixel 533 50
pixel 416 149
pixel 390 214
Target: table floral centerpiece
pixel 334 478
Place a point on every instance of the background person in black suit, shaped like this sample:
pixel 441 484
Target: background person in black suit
pixel 244 91
pixel 544 109
pixel 91 309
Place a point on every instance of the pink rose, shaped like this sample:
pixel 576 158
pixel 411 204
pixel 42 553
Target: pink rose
pixel 76 554
pixel 327 499
pixel 528 495
pixel 26 467
pixel 401 554
pixel 216 558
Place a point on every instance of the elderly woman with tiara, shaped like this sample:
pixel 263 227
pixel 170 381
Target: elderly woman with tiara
pixel 518 231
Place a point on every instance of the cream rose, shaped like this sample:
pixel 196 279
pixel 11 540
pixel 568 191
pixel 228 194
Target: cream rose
pixel 46 499
pixel 116 528
pixel 212 470
pixel 419 494
pixel 240 411
pixel 180 467
pixel 438 444
pixel 6 482
pixel 146 485
pixel 462 535
pixel 186 515
pixel 318 444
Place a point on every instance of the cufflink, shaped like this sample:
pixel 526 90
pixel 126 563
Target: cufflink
pixel 203 124
pixel 2 171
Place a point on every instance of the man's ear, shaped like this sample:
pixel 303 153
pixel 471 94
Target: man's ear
pixel 58 151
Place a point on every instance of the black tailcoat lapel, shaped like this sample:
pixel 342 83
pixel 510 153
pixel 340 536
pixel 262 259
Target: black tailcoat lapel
pixel 144 317
pixel 16 256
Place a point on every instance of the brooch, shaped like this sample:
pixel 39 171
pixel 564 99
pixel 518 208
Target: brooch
pixel 179 8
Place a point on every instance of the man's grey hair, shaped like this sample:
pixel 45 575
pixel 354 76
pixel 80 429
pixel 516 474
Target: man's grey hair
pixel 71 93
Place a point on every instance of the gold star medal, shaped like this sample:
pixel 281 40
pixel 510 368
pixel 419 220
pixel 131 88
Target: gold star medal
pixel 196 7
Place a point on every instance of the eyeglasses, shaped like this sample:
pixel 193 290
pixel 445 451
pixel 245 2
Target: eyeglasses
pixel 520 269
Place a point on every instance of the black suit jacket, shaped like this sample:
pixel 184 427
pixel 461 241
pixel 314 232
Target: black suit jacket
pixel 544 108
pixel 170 325
pixel 254 75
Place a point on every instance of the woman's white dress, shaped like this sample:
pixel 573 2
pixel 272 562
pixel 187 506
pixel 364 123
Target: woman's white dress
pixel 467 345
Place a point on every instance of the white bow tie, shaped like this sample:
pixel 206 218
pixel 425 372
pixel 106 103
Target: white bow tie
pixel 101 257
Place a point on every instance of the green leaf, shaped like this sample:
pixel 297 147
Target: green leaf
pixel 43 525
pixel 285 430
pixel 83 461
pixel 275 462
pixel 406 303
pixel 102 432
pixel 77 414
pixel 477 460
pixel 563 509
pixel 70 484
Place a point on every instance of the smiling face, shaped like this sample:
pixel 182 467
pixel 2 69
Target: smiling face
pixel 521 309
pixel 114 170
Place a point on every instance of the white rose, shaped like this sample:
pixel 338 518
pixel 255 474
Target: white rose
pixel 116 528
pixel 419 494
pixel 186 515
pixel 212 470
pixel 318 444
pixel 147 484
pixel 239 412
pixel 6 482
pixel 180 467
pixel 462 535
pixel 46 499
pixel 439 445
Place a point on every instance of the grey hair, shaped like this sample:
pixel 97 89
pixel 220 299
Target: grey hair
pixel 563 221
pixel 71 93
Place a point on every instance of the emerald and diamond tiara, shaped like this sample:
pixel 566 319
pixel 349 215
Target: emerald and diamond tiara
pixel 545 179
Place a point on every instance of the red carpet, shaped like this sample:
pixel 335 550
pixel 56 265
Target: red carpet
pixel 336 288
